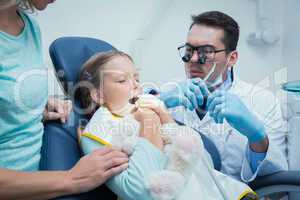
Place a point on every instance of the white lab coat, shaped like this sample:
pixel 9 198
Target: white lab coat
pixel 232 145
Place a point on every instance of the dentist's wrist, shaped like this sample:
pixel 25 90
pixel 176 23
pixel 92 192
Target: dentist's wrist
pixel 258 140
pixel 260 146
pixel 168 98
pixel 256 129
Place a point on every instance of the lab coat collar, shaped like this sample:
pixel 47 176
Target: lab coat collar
pixel 240 88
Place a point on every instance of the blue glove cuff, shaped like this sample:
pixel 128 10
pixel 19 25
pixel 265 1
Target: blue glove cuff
pixel 258 136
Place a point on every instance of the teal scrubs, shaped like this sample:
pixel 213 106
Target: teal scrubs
pixel 23 96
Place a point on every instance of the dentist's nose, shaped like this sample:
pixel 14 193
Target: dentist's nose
pixel 194 57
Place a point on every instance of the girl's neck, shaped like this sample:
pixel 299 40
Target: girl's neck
pixel 10 21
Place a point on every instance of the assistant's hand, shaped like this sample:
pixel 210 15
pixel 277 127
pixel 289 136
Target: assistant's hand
pixel 189 93
pixel 224 105
pixel 57 109
pixel 94 169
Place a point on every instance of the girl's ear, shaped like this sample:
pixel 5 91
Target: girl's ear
pixel 97 96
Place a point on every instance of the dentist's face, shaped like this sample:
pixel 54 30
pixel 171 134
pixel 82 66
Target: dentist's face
pixel 204 35
pixel 41 4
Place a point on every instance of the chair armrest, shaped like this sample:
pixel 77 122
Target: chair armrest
pixel 279 178
pixel 285 181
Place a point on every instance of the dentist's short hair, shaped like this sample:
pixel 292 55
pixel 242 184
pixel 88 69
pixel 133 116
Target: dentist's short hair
pixel 222 21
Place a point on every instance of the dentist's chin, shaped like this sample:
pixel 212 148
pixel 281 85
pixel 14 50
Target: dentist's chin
pixel 195 73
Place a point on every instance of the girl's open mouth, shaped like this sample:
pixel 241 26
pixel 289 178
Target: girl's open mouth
pixel 133 100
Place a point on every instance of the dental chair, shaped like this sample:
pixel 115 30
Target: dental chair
pixel 60 150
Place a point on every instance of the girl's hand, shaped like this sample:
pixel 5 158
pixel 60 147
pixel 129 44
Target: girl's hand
pixel 153 103
pixel 57 109
pixel 150 126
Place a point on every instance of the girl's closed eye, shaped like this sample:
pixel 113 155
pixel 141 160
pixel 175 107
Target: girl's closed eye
pixel 121 81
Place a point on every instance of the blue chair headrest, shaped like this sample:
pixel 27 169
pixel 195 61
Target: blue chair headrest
pixel 68 54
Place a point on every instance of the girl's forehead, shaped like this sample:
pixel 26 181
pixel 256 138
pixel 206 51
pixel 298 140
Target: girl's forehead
pixel 119 73
pixel 120 65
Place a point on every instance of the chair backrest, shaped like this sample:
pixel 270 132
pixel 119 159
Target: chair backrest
pixel 69 53
pixel 60 150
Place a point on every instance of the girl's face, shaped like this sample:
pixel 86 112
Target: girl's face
pixel 120 83
pixel 41 4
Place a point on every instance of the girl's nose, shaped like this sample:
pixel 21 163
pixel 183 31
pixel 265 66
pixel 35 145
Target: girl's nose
pixel 136 87
pixel 135 84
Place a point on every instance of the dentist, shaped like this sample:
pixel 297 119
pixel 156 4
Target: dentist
pixel 243 120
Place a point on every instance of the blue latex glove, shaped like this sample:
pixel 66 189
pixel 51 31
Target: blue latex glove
pixel 189 93
pixel 224 105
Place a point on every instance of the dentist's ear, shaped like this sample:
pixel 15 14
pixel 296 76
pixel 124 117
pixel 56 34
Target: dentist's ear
pixel 232 58
pixel 97 96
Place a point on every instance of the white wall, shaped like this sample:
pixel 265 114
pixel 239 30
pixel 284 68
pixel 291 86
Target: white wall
pixel 151 30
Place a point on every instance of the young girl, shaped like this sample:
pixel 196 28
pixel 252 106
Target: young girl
pixel 167 161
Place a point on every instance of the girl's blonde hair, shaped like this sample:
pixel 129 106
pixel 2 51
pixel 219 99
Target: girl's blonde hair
pixel 22 4
pixel 91 74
